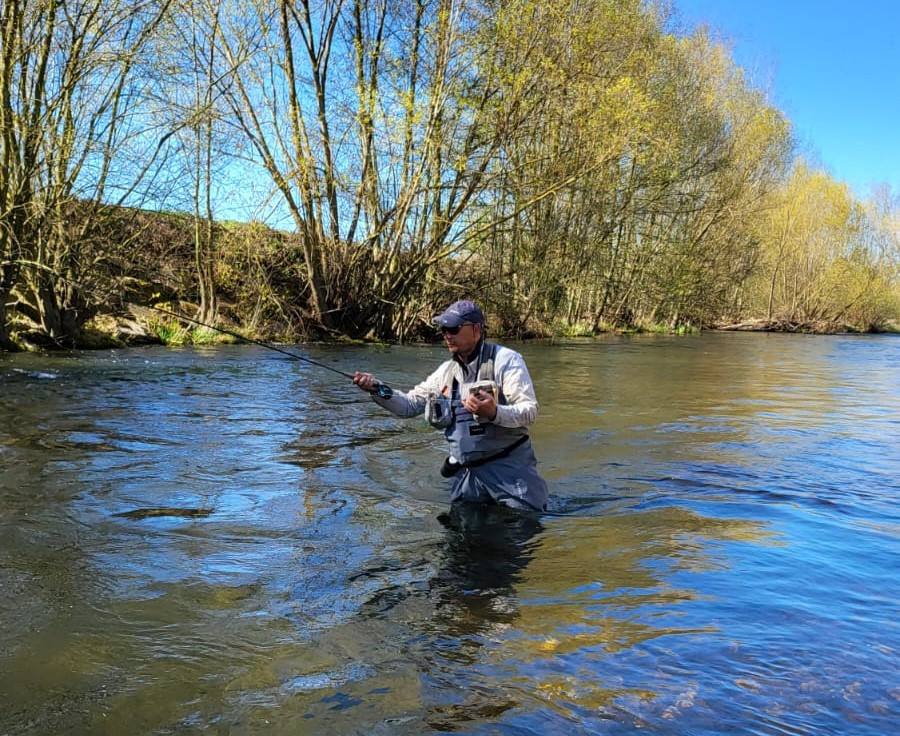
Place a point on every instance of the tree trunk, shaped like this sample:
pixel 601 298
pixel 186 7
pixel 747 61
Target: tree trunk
pixel 5 342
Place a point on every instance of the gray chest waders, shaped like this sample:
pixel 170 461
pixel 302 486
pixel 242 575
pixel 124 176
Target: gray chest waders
pixel 472 442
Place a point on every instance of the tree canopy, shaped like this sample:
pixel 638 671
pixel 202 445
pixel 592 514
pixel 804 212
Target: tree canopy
pixel 576 166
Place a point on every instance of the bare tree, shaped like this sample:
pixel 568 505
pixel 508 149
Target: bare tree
pixel 382 125
pixel 73 141
pixel 191 97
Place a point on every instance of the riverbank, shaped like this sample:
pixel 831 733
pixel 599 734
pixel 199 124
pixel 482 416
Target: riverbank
pixel 141 325
pixel 815 327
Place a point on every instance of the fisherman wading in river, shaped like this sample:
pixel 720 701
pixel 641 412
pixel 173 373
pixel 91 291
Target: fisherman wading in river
pixel 484 400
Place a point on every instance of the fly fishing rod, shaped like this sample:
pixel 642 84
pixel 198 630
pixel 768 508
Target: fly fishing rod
pixel 380 389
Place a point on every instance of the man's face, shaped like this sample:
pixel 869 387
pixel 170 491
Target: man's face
pixel 464 341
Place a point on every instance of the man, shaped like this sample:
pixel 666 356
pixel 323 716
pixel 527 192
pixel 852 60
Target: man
pixel 484 401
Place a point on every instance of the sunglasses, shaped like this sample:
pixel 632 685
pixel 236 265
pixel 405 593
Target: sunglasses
pixel 453 330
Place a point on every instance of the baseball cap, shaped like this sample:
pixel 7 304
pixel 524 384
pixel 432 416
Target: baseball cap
pixel 459 313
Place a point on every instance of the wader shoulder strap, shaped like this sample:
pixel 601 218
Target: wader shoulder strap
pixel 486 361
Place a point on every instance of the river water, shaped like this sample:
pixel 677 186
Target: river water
pixel 225 541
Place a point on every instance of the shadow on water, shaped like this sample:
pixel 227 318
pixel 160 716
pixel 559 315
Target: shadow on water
pixel 488 623
pixel 483 555
pixel 151 513
pixel 473 568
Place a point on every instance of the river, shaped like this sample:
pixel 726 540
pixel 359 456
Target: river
pixel 226 541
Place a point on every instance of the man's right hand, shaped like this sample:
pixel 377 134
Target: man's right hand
pixel 366 381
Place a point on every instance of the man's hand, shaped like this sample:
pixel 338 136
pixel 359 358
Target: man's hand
pixel 366 381
pixel 482 404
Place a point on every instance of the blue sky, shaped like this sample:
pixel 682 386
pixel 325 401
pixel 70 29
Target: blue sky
pixel 832 66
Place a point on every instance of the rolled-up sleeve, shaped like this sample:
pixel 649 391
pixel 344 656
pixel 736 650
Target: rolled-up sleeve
pixel 521 408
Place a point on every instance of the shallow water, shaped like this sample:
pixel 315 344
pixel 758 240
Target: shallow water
pixel 226 541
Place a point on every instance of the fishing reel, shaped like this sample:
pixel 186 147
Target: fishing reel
pixel 382 390
pixel 438 410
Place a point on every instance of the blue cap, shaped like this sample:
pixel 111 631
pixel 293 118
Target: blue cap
pixel 459 313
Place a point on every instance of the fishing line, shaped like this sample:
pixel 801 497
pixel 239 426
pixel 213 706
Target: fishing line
pixel 381 389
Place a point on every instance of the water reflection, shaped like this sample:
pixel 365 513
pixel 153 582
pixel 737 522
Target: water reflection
pixel 483 557
pixel 215 541
pixel 436 607
pixel 602 607
pixel 485 552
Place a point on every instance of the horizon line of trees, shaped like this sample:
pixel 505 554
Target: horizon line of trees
pixel 575 166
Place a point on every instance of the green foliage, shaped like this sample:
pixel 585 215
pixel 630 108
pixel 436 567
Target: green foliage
pixel 204 336
pixel 577 167
pixel 825 258
pixel 579 329
pixel 171 333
